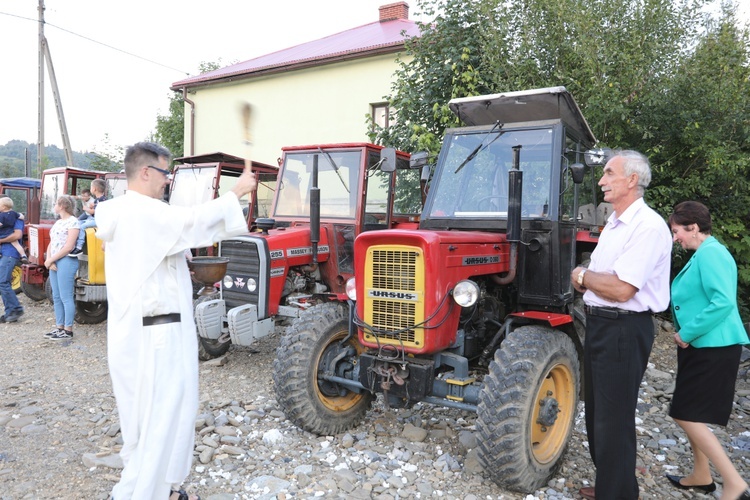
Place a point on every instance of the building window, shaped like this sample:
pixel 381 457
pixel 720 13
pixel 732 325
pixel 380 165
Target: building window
pixel 380 115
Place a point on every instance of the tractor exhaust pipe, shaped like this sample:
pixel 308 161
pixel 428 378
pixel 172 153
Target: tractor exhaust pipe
pixel 513 235
pixel 315 212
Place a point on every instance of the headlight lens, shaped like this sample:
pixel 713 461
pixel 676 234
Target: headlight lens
pixel 227 281
pixel 466 293
pixel 351 289
pixel 251 285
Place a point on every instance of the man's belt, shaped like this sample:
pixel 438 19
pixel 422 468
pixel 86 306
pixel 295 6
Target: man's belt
pixel 608 312
pixel 161 319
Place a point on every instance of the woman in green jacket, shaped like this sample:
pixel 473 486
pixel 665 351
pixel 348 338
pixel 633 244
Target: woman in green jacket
pixel 709 335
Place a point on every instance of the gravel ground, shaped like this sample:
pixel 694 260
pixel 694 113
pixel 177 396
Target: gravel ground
pixel 59 432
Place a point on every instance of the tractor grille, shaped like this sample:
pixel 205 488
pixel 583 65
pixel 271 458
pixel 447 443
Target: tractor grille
pixel 244 265
pixel 394 300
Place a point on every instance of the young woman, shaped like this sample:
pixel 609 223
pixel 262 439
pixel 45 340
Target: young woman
pixel 63 267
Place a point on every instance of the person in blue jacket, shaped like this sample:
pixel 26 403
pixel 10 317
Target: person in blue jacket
pixel 709 334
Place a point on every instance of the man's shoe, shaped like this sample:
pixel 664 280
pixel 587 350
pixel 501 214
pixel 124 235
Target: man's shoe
pixel 24 260
pixel 13 316
pixel 588 492
pixel 2 318
pixel 675 480
pixel 75 252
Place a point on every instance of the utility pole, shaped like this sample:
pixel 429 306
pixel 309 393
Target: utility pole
pixel 40 118
pixel 44 54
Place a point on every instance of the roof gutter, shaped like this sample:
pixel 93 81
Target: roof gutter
pixel 298 65
pixel 191 132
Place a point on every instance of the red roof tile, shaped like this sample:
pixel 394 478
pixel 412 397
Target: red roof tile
pixel 373 38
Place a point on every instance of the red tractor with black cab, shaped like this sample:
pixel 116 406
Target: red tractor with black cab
pixel 473 309
pixel 302 256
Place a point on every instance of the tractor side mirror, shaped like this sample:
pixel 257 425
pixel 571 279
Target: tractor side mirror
pixel 577 170
pixel 597 157
pixel 388 160
pixel 418 160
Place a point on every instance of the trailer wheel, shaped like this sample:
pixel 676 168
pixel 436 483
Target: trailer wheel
pixel 527 407
pixel 15 280
pixel 310 347
pixel 34 292
pixel 90 313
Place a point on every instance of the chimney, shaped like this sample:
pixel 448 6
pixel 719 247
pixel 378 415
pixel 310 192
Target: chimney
pixel 393 11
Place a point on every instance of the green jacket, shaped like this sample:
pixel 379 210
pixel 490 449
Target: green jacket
pixel 704 299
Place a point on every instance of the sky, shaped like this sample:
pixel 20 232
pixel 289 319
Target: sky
pixel 115 60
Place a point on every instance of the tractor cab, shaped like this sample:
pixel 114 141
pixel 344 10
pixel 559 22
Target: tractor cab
pixel 201 178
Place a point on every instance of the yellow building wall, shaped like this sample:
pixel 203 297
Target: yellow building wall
pixel 325 104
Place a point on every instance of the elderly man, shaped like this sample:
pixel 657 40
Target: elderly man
pixel 152 346
pixel 627 281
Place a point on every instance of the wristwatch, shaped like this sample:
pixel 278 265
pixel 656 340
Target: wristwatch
pixel 580 276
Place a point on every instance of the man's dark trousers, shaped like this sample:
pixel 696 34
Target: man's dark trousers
pixel 615 356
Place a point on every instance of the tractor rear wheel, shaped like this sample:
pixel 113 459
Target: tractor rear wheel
pixel 309 348
pixel 34 292
pixel 15 280
pixel 527 407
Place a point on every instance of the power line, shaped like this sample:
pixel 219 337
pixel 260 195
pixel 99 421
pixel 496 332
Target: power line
pixel 98 42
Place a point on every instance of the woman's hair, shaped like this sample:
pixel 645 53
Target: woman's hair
pixel 691 212
pixel 67 203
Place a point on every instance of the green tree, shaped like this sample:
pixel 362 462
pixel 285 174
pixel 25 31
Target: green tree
pixel 700 142
pixel 109 158
pixel 660 76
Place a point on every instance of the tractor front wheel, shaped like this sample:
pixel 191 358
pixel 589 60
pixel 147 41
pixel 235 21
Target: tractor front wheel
pixel 90 313
pixel 527 407
pixel 311 348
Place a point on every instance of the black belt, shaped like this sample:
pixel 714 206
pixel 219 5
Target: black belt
pixel 608 312
pixel 161 319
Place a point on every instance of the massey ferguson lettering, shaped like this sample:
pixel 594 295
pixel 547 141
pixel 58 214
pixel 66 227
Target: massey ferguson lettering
pixel 388 294
pixel 295 252
pixel 482 259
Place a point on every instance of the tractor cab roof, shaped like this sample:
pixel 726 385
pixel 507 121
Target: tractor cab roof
pixel 523 106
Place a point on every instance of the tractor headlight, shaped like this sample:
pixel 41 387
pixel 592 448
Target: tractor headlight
pixel 351 289
pixel 227 282
pixel 466 293
pixel 252 285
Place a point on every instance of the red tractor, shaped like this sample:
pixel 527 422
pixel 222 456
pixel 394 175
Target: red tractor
pixel 55 183
pixel 24 191
pixel 303 256
pixel 473 309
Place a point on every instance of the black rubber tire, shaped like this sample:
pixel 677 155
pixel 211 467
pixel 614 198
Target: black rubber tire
pixel 90 313
pixel 208 348
pixel 15 280
pixel 34 292
pixel 311 404
pixel 48 291
pixel 534 363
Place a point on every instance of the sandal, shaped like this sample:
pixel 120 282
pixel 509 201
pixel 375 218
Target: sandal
pixel 182 495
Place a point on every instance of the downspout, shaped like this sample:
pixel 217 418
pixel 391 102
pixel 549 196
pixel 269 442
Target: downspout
pixel 191 132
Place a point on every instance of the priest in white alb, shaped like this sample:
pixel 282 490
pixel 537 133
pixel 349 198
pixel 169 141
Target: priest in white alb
pixel 151 339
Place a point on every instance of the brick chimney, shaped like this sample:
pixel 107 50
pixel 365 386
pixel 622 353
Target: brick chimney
pixel 393 11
